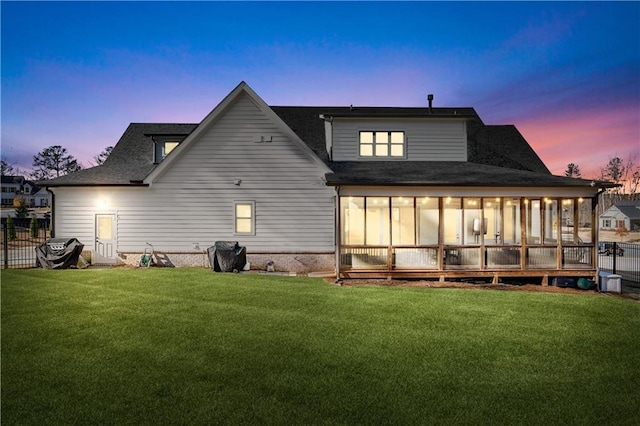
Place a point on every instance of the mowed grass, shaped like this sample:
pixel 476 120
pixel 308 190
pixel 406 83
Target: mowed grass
pixel 187 346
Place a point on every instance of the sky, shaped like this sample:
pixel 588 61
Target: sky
pixel 566 74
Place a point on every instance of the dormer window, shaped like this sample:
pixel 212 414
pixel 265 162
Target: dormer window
pixel 167 147
pixel 164 148
pixel 388 144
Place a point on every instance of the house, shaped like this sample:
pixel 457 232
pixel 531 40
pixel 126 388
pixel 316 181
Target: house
pixel 33 195
pixel 623 213
pixel 364 191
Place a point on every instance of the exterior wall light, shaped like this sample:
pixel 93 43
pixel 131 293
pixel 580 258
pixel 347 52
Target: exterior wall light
pixel 103 204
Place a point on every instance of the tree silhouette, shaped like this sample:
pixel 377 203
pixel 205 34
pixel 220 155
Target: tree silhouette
pixel 53 162
pixel 102 157
pixel 573 170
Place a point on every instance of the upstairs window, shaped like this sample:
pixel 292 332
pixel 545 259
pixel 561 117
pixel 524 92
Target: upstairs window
pixel 382 144
pixel 167 147
pixel 164 148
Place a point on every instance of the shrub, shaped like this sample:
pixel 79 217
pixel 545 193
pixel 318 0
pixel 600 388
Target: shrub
pixel 11 229
pixel 33 227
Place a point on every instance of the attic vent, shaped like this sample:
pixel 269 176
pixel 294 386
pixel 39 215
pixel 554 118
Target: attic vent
pixel 430 99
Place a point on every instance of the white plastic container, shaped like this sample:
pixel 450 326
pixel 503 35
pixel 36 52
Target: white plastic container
pixel 611 283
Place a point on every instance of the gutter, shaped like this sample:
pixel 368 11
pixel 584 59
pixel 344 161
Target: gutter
pixel 337 231
pixel 53 210
pixel 79 185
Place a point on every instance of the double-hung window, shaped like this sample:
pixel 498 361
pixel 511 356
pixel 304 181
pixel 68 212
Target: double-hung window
pixel 389 144
pixel 244 218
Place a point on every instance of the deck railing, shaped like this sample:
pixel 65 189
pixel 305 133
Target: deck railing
pixel 465 258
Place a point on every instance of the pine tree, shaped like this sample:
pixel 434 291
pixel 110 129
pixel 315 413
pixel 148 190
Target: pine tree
pixel 573 170
pixel 22 211
pixel 11 229
pixel 33 227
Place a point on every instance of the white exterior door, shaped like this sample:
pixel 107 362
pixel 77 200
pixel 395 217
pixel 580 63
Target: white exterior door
pixel 105 239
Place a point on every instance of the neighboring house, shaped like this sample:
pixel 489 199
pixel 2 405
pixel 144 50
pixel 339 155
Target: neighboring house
pixel 625 213
pixel 18 186
pixel 368 191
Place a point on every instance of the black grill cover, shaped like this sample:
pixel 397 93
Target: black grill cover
pixel 58 253
pixel 227 256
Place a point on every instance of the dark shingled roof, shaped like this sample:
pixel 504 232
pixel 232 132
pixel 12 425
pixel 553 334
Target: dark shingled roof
pixel 497 155
pixel 306 123
pixel 631 209
pixel 440 173
pixel 503 146
pixel 130 161
pixel 20 180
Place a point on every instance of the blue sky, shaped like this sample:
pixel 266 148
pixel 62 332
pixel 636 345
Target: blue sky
pixel 566 74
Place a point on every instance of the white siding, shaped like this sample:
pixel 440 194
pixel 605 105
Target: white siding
pixel 193 200
pixel 427 139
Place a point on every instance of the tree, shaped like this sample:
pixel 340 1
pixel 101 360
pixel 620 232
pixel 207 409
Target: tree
pixel 626 174
pixel 53 162
pixel 573 170
pixel 621 230
pixel 22 211
pixel 6 168
pixel 102 157
pixel 11 229
pixel 33 227
pixel 614 170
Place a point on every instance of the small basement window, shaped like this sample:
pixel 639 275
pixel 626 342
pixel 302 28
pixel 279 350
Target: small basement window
pixel 244 218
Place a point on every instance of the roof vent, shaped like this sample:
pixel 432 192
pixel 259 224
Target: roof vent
pixel 430 99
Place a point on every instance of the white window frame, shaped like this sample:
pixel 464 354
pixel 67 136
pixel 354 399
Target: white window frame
pixel 388 144
pixel 164 148
pixel 252 204
pixel 160 150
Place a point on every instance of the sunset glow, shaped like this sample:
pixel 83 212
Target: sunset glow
pixel 566 74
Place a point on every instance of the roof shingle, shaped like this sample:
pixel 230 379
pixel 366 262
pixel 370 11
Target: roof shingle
pixel 497 155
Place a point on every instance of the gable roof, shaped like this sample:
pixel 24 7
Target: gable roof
pixel 497 155
pixel 212 117
pixel 631 209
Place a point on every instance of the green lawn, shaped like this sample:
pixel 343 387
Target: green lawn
pixel 187 346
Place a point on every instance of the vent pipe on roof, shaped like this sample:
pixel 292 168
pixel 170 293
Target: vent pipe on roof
pixel 430 99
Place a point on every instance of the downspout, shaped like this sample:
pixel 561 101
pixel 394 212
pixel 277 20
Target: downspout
pixel 337 232
pixel 595 225
pixel 53 210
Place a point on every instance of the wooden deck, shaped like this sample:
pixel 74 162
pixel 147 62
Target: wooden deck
pixel 496 276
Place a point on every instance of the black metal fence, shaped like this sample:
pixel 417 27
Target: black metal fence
pixel 622 259
pixel 19 241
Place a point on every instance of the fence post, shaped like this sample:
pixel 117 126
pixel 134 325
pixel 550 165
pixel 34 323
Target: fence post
pixel 615 256
pixel 5 237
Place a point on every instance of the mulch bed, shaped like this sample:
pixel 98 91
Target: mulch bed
pixel 484 286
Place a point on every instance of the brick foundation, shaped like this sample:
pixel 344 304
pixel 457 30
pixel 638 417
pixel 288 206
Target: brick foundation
pixel 300 263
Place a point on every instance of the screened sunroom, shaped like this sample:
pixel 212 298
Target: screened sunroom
pixel 447 235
